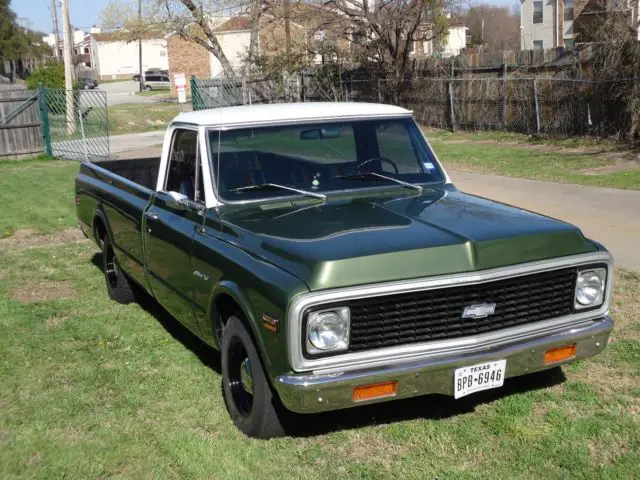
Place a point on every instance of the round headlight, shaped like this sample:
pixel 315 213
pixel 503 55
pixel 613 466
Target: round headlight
pixel 328 330
pixel 590 288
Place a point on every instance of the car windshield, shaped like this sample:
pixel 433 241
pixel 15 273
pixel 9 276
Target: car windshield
pixel 321 158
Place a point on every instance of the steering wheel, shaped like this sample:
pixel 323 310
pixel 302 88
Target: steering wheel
pixel 373 159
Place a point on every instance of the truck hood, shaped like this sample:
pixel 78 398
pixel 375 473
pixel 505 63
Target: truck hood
pixel 357 241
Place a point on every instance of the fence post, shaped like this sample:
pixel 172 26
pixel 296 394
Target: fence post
pixel 44 116
pixel 505 94
pixel 452 113
pixel 195 102
pixel 537 104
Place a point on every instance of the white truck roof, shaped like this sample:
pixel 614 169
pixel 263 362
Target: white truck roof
pixel 288 112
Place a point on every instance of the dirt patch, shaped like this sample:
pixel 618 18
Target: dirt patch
pixel 56 320
pixel 28 237
pixel 365 447
pixel 43 291
pixel 607 451
pixel 620 165
pixel 605 379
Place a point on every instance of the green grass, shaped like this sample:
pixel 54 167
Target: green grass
pixel 91 388
pixel 558 165
pixel 36 194
pixel 134 118
pixel 154 93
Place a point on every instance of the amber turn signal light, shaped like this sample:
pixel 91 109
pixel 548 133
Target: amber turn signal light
pixel 378 390
pixel 556 355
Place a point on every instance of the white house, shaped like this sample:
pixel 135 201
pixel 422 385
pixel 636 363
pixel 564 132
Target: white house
pixel 234 36
pixel 113 57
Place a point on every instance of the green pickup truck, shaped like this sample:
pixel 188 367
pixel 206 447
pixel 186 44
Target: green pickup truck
pixel 325 252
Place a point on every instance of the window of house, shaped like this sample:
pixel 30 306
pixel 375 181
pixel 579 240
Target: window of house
pixel 537 12
pixel 163 53
pixel 426 47
pixel 86 49
pixel 568 10
pixel 569 42
pixel 538 45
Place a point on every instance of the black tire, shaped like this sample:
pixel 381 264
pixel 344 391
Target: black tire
pixel 118 285
pixel 148 88
pixel 257 414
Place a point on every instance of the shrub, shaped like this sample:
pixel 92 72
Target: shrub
pixel 51 76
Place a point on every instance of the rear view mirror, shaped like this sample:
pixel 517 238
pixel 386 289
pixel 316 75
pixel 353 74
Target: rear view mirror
pixel 320 133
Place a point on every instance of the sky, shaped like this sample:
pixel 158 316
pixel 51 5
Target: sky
pixel 36 14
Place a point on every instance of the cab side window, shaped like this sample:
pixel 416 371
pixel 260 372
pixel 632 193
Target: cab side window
pixel 183 175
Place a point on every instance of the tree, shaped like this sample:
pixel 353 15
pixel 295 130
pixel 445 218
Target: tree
pixel 385 30
pixel 495 28
pixel 193 20
pixel 17 43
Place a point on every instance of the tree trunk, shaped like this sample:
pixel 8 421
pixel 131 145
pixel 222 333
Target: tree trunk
pixel 212 45
pixel 254 14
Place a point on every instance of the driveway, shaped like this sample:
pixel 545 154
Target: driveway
pixel 608 215
pixel 123 92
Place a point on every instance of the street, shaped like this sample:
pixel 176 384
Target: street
pixel 123 92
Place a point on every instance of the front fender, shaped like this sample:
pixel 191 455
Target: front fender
pixel 255 300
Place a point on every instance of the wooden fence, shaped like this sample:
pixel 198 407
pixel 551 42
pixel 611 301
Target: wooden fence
pixel 21 134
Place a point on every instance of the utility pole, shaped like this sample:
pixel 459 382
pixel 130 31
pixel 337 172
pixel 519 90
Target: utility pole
pixel 68 66
pixel 141 79
pixel 287 28
pixel 56 34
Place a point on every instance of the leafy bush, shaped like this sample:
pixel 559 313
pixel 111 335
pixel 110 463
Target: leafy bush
pixel 51 76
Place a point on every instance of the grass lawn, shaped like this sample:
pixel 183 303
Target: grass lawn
pixel 134 118
pixel 578 161
pixel 154 93
pixel 91 388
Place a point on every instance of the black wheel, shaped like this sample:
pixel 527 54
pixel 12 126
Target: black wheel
pixel 118 284
pixel 247 393
pixel 147 88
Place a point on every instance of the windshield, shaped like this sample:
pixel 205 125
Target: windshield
pixel 320 158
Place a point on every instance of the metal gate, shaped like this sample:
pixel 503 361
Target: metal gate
pixel 75 123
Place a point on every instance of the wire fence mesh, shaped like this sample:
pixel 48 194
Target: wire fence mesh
pixel 526 105
pixel 76 123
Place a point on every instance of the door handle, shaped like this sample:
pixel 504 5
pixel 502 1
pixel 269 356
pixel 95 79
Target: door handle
pixel 152 215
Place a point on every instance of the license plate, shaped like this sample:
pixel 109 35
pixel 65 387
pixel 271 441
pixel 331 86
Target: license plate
pixel 476 378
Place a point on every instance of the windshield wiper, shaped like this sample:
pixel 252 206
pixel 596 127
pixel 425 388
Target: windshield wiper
pixel 272 186
pixel 374 175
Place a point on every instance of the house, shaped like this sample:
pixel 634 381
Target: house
pixel 450 46
pixel 548 24
pixel 113 55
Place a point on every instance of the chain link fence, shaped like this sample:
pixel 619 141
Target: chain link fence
pixel 525 105
pixel 75 123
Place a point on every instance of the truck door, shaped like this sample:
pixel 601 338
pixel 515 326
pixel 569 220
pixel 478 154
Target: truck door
pixel 170 223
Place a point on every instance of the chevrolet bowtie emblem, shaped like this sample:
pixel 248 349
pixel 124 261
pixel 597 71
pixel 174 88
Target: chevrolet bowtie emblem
pixel 481 310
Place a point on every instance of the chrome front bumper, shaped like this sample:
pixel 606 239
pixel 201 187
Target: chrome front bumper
pixel 318 391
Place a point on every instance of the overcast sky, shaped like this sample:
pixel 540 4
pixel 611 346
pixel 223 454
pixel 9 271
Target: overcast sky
pixel 36 14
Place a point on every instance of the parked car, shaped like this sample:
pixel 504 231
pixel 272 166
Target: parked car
pixel 88 83
pixel 325 252
pixel 136 77
pixel 157 82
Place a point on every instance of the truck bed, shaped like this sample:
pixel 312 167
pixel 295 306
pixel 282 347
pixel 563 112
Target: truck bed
pixel 143 171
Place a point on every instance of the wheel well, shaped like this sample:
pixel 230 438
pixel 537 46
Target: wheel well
pixel 99 230
pixel 224 307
